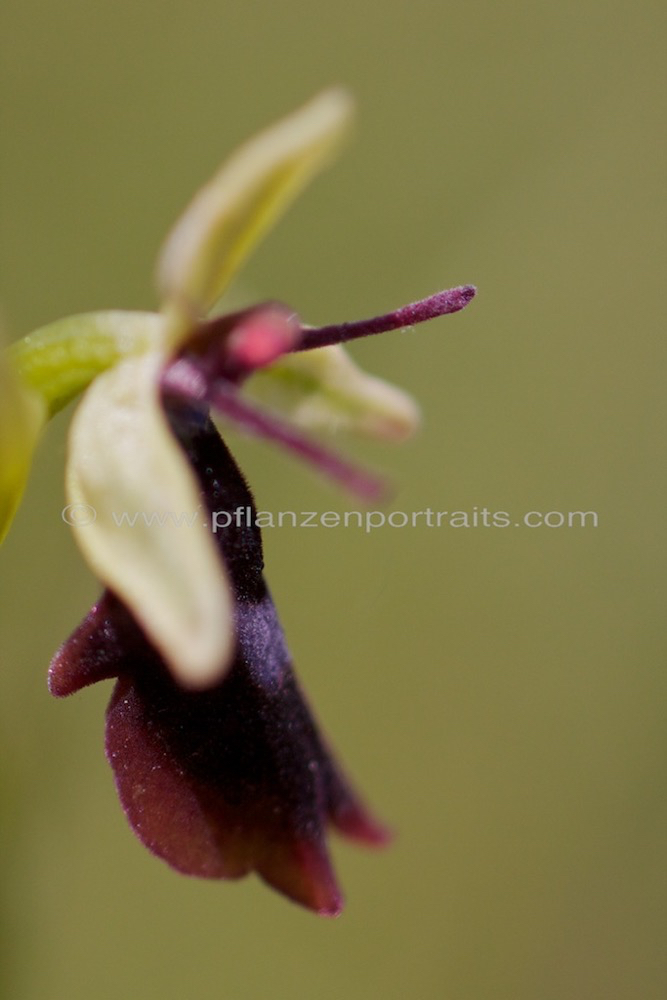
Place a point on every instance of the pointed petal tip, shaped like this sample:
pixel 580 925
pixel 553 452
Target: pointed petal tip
pixel 444 303
pixel 302 871
pixel 350 816
pixel 63 677
pixel 93 652
pixel 333 910
pixel 357 824
pixel 57 681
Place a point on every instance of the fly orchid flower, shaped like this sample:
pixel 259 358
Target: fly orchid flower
pixel 218 763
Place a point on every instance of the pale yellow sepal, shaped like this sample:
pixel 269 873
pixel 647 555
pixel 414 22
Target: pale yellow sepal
pixel 230 214
pixel 125 463
pixel 22 415
pixel 325 389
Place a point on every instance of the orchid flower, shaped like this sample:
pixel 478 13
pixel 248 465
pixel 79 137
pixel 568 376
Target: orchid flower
pixel 218 763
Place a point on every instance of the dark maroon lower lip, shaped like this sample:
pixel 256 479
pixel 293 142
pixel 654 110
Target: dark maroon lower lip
pixel 237 778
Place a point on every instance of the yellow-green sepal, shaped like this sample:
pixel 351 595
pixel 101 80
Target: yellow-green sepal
pixel 60 360
pixel 22 416
pixel 324 389
pixel 229 215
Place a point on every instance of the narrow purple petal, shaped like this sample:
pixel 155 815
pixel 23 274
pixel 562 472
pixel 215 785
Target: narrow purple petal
pixel 450 300
pixel 250 418
pixel 182 379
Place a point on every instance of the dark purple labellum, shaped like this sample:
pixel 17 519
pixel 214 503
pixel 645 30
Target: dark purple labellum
pixel 236 778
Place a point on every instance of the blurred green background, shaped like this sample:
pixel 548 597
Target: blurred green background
pixel 498 693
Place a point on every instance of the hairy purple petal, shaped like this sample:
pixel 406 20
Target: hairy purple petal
pixel 252 419
pixel 449 301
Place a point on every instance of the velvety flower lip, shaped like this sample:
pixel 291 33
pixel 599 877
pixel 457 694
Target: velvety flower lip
pixel 235 778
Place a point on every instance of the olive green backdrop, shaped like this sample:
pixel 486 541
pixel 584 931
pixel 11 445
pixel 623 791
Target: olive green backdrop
pixel 498 693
